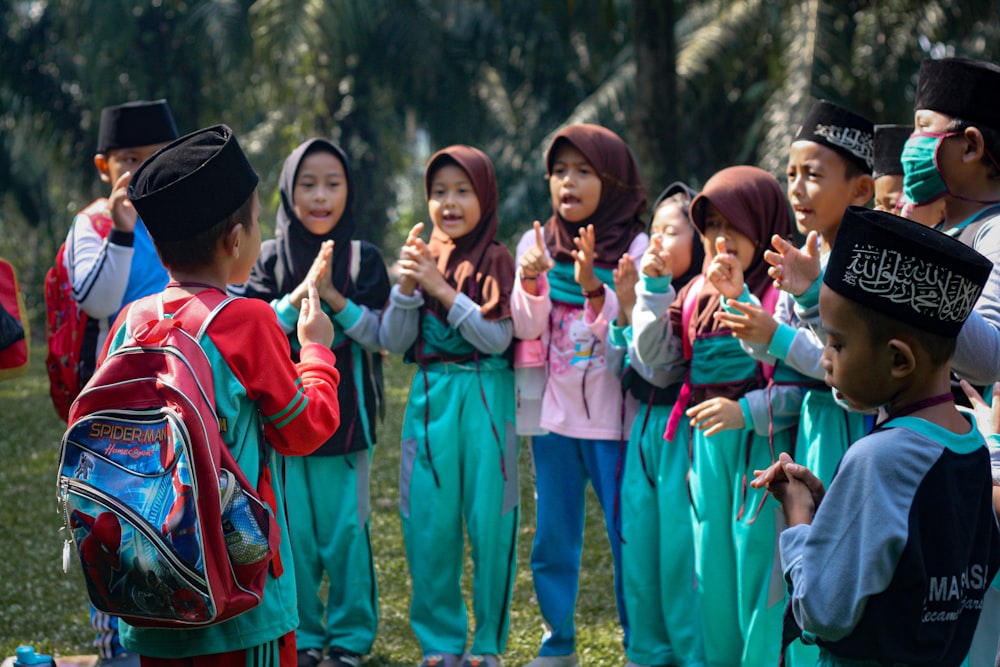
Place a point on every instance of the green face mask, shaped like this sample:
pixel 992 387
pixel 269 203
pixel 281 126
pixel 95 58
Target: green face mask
pixel 922 182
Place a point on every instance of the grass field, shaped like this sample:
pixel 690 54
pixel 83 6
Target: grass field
pixel 41 605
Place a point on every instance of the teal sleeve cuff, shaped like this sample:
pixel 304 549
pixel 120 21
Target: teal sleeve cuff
pixel 286 312
pixel 747 415
pixel 617 336
pixel 745 297
pixel 349 316
pixel 656 285
pixel 781 341
pixel 993 440
pixel 809 298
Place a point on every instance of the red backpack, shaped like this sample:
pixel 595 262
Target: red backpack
pixel 65 322
pixel 167 528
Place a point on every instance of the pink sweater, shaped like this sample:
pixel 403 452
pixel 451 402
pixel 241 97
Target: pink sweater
pixel 580 379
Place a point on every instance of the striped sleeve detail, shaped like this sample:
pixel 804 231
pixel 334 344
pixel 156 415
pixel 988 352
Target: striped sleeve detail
pixel 293 409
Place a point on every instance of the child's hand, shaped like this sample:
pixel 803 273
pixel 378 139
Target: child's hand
pixel 752 323
pixel 583 257
pixel 415 263
pixel 716 415
pixel 725 271
pixel 794 270
pixel 987 416
pixel 407 283
pixel 319 273
pixel 123 214
pixel 798 490
pixel 314 326
pixel 656 261
pixel 534 261
pixel 626 278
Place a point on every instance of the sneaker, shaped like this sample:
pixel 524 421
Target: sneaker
pixel 487 660
pixel 555 661
pixel 309 657
pixel 338 657
pixel 440 660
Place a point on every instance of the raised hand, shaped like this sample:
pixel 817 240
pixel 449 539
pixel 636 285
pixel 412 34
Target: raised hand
pixel 752 323
pixel 626 278
pixel 413 244
pixel 123 214
pixel 656 261
pixel 534 261
pixel 583 258
pixel 792 269
pixel 314 326
pixel 319 274
pixel 725 271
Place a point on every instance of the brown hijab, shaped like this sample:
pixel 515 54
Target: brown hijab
pixel 617 219
pixel 474 264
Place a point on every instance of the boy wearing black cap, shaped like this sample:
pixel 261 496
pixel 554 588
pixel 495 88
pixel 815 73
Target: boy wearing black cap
pixel 104 243
pixel 198 198
pixel 107 240
pixel 887 170
pixel 890 564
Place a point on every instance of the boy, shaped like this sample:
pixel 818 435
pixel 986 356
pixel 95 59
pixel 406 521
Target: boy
pixel 101 249
pixel 887 170
pixel 198 198
pixel 891 564
pixel 829 168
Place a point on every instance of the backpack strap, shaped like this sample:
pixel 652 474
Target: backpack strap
pixel 687 312
pixel 355 260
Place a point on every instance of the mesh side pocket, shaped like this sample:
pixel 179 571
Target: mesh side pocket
pixel 244 522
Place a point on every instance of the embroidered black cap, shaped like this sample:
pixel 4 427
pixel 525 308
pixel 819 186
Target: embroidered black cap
pixel 134 124
pixel 961 87
pixel 889 140
pixel 909 272
pixel 846 132
pixel 192 184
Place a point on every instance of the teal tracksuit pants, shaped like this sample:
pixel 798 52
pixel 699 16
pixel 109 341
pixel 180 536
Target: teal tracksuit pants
pixel 658 545
pixel 328 518
pixel 459 463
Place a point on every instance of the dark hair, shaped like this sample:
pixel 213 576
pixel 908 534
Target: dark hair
pixel 881 327
pixel 991 142
pixel 199 250
pixel 852 169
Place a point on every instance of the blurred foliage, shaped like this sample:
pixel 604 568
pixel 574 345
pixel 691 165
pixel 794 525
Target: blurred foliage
pixel 692 86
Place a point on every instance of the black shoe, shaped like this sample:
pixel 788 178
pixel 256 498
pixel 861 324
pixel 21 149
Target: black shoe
pixel 309 657
pixel 338 657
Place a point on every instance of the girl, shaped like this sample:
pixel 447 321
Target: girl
pixel 561 297
pixel 450 314
pixel 658 543
pixel 734 422
pixel 327 492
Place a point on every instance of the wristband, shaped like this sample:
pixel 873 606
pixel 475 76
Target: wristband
pixel 596 293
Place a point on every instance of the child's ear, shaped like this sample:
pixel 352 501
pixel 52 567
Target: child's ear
pixel 101 162
pixel 902 356
pixel 975 145
pixel 863 189
pixel 232 239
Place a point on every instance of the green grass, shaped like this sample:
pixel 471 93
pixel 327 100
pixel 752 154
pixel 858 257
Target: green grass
pixel 41 605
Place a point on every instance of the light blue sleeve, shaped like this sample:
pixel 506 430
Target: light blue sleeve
pixel 487 336
pixel 400 322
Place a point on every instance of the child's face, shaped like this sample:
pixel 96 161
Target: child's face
pixel 676 234
pixel 320 193
pixel 117 161
pixel 818 188
pixel 737 243
pixel 249 244
pixel 887 191
pixel 574 184
pixel 855 367
pixel 452 201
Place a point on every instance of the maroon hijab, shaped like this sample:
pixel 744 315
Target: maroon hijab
pixel 753 202
pixel 617 219
pixel 474 264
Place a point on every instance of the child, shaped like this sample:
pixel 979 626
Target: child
pixel 829 169
pixel 104 244
pixel 561 298
pixel 734 422
pixel 890 565
pixel 450 313
pixel 99 257
pixel 657 539
pixel 887 169
pixel 327 492
pixel 198 197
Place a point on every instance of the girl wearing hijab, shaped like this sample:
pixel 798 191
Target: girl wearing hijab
pixel 328 492
pixel 657 538
pixel 564 295
pixel 450 315
pixel 739 419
